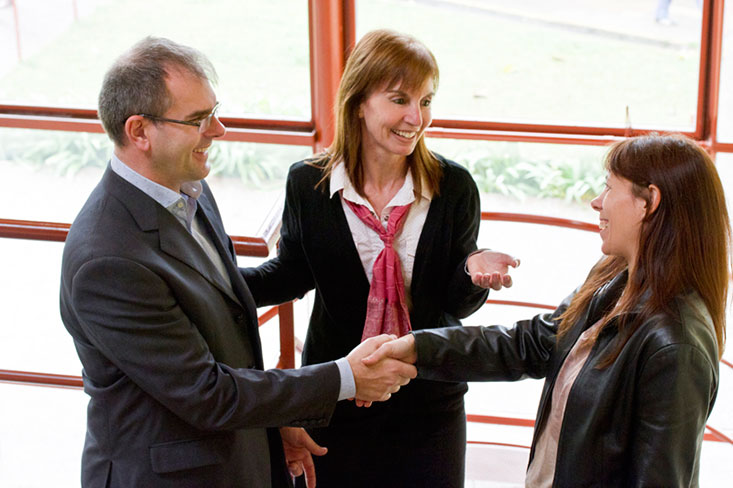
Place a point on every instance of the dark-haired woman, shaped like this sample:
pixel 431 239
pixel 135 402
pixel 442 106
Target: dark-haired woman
pixel 631 358
pixel 385 231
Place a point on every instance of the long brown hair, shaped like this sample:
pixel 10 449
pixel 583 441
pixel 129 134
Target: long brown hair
pixel 380 57
pixel 684 244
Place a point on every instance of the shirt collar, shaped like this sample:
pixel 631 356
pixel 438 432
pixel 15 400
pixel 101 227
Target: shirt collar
pixel 339 181
pixel 164 196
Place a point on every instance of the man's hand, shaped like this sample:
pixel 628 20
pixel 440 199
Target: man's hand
pixel 488 269
pixel 379 380
pixel 402 349
pixel 298 447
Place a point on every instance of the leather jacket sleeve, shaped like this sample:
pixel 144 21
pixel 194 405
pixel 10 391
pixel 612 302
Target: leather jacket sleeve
pixel 493 353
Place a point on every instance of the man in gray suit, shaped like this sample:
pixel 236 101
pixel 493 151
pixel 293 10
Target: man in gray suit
pixel 162 320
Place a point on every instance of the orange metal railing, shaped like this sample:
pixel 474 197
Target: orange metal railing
pixel 286 360
pixel 258 246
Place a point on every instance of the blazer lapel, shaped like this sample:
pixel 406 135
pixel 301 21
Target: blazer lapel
pixel 348 246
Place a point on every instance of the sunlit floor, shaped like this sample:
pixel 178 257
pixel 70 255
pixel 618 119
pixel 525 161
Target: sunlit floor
pixel 42 433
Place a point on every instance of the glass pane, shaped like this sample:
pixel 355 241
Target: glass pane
pixel 560 62
pixel 248 181
pixel 42 435
pixel 32 337
pixel 260 49
pixel 725 101
pixel 54 172
pixel 540 179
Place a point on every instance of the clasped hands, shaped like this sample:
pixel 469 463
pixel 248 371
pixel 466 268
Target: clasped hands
pixel 381 365
pixel 377 379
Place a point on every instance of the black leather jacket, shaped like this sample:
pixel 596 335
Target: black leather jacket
pixel 638 422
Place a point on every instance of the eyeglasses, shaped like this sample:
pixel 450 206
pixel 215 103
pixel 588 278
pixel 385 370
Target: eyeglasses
pixel 203 123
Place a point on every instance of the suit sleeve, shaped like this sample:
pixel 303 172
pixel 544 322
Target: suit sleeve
pixel 287 276
pixel 129 314
pixel 677 386
pixel 463 297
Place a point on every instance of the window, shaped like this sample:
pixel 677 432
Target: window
pixel 530 93
pixel 725 108
pixel 260 49
pixel 576 63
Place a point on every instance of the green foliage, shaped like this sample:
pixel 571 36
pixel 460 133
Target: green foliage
pixel 507 172
pixel 65 153
pixel 257 165
pixel 503 168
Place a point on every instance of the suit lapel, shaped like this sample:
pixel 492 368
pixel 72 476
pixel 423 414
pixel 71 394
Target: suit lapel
pixel 177 242
pixel 174 239
pixel 219 236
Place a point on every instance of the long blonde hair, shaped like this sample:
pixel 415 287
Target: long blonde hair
pixel 380 57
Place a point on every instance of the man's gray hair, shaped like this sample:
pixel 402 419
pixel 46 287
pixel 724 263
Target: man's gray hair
pixel 136 82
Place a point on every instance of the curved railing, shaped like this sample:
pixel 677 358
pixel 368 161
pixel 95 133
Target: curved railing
pixel 260 247
pixel 57 232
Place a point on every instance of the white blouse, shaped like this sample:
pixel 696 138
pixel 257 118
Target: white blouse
pixel 368 244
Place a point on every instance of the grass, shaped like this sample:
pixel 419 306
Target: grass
pixel 491 68
pixel 259 48
pixel 499 69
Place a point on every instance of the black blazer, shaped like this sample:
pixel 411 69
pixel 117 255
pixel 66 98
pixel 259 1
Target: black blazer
pixel 171 358
pixel 638 422
pixel 317 251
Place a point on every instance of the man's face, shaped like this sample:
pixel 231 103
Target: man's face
pixel 178 152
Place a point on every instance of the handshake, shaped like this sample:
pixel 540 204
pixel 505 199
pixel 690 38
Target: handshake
pixel 381 365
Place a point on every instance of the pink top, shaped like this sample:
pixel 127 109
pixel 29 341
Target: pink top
pixel 541 471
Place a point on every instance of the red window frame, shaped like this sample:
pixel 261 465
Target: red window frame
pixel 332 34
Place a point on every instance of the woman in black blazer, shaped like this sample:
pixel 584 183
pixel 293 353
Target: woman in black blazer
pixel 379 178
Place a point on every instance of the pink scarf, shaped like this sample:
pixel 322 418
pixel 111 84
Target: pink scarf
pixel 386 306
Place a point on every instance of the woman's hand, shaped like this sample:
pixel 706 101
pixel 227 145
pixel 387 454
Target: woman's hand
pixel 489 269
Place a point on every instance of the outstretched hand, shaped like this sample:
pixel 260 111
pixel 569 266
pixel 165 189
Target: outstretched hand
pixel 489 269
pixel 378 380
pixel 298 447
pixel 402 349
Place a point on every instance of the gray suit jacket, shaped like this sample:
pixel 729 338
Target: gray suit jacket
pixel 172 359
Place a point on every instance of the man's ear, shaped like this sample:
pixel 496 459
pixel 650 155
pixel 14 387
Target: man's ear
pixel 136 131
pixel 655 196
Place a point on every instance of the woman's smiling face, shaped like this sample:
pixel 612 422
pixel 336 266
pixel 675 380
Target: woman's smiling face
pixel 394 118
pixel 621 213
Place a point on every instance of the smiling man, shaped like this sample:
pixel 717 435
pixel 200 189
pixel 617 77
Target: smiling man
pixel 163 322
